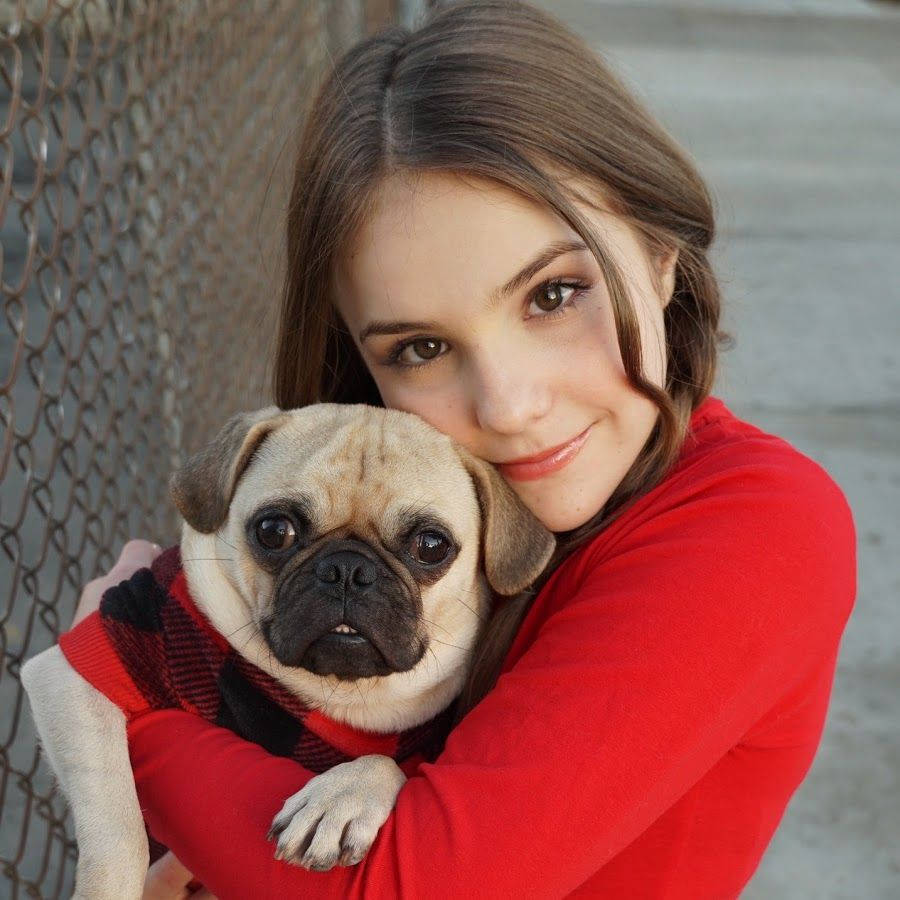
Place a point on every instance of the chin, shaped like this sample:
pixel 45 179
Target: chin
pixel 563 520
pixel 570 524
pixel 559 507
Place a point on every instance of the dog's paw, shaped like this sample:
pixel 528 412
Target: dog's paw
pixel 334 818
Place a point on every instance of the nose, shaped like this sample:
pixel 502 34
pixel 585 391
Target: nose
pixel 510 392
pixel 346 567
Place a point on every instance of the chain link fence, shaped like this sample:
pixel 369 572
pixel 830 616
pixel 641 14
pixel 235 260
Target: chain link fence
pixel 145 152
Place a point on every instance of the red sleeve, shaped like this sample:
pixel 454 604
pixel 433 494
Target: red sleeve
pixel 673 641
pixel 90 652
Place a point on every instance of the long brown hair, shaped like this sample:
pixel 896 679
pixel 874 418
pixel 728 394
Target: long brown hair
pixel 503 91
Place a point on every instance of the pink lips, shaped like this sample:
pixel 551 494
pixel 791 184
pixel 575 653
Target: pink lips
pixel 526 471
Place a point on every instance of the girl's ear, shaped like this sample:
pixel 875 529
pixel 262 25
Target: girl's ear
pixel 665 272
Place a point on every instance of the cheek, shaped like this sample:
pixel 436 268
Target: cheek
pixel 439 406
pixel 594 350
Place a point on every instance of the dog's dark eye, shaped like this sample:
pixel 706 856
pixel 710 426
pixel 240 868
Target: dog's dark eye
pixel 431 547
pixel 275 533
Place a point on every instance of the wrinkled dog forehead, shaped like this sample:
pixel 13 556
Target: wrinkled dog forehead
pixel 342 461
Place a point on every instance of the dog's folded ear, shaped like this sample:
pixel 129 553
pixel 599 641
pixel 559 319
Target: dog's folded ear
pixel 204 485
pixel 516 544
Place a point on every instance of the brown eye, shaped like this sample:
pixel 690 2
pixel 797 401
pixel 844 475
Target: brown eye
pixel 276 533
pixel 428 345
pixel 551 294
pixel 431 547
pixel 425 348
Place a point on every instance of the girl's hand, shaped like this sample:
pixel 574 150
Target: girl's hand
pixel 136 554
pixel 168 879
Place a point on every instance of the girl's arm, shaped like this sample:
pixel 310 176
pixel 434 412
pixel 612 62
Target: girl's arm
pixel 647 661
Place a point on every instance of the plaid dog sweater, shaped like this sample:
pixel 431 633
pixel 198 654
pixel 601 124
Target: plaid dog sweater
pixel 149 647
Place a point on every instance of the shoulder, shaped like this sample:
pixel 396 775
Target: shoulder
pixel 743 518
pixel 747 544
pixel 734 480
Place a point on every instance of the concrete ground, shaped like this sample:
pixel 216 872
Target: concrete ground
pixel 792 113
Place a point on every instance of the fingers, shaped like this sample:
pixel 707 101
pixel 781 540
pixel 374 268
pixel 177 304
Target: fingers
pixel 168 879
pixel 136 554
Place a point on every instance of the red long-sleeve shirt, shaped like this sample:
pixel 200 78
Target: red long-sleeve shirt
pixel 662 701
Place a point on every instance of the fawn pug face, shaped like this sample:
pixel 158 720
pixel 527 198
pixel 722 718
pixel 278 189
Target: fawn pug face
pixel 351 542
pixel 349 557
pixel 351 607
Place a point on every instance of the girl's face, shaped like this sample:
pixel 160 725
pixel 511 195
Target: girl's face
pixel 466 313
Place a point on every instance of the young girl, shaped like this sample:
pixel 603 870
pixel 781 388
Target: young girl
pixel 487 230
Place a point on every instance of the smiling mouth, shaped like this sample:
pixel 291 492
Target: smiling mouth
pixel 547 454
pixel 544 464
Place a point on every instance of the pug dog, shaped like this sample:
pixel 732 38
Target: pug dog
pixel 365 548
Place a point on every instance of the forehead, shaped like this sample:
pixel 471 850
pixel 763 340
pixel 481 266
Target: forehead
pixel 438 239
pixel 433 229
pixel 357 460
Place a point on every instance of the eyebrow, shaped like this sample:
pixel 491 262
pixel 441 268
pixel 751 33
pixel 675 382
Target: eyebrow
pixel 522 277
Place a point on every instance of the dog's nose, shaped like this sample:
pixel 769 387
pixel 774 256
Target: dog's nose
pixel 346 566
